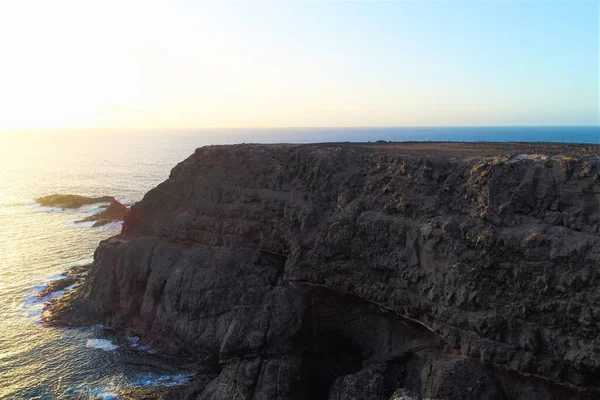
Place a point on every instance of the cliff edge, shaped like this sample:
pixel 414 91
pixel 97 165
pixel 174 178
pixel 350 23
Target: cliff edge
pixel 351 271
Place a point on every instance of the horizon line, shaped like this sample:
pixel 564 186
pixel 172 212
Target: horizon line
pixel 221 128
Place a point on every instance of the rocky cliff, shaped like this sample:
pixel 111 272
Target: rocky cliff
pixel 356 271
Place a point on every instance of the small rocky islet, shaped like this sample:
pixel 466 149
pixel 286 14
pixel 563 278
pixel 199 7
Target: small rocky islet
pixel 112 212
pixel 363 271
pixel 72 200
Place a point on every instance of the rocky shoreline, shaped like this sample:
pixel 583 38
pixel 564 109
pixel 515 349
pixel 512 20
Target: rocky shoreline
pixel 114 211
pixel 351 271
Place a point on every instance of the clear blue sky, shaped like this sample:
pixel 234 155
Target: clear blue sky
pixel 192 64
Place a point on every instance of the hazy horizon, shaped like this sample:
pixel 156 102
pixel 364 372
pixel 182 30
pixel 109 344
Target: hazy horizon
pixel 216 136
pixel 184 66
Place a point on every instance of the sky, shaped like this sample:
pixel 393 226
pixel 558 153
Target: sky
pixel 194 64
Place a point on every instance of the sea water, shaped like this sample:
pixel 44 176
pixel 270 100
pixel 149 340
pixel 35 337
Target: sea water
pixel 37 244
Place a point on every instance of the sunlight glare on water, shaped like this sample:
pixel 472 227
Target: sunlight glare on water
pixel 38 243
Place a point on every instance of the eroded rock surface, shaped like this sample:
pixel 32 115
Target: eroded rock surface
pixel 348 271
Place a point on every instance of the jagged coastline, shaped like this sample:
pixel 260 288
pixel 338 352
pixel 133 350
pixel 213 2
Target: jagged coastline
pixel 339 271
pixel 114 211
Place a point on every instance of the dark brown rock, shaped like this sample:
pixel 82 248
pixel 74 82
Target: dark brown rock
pixel 72 277
pixel 115 211
pixel 348 270
pixel 56 285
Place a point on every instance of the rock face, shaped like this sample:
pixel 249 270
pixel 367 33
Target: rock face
pixel 347 271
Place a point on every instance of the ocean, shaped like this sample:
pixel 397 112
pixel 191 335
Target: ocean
pixel 37 244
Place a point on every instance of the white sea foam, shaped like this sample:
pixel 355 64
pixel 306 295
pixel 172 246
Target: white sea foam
pixel 173 380
pixel 134 343
pixel 55 278
pixel 85 224
pixel 110 390
pixel 150 379
pixel 35 313
pixel 34 305
pixel 95 207
pixel 101 344
pixel 57 293
pixel 133 340
pixel 82 262
pixel 105 394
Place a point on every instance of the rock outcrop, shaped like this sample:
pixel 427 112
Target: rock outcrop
pixel 115 211
pixel 112 212
pixel 349 271
pixel 72 200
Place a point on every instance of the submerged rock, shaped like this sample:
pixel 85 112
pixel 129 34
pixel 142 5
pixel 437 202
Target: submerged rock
pixel 351 271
